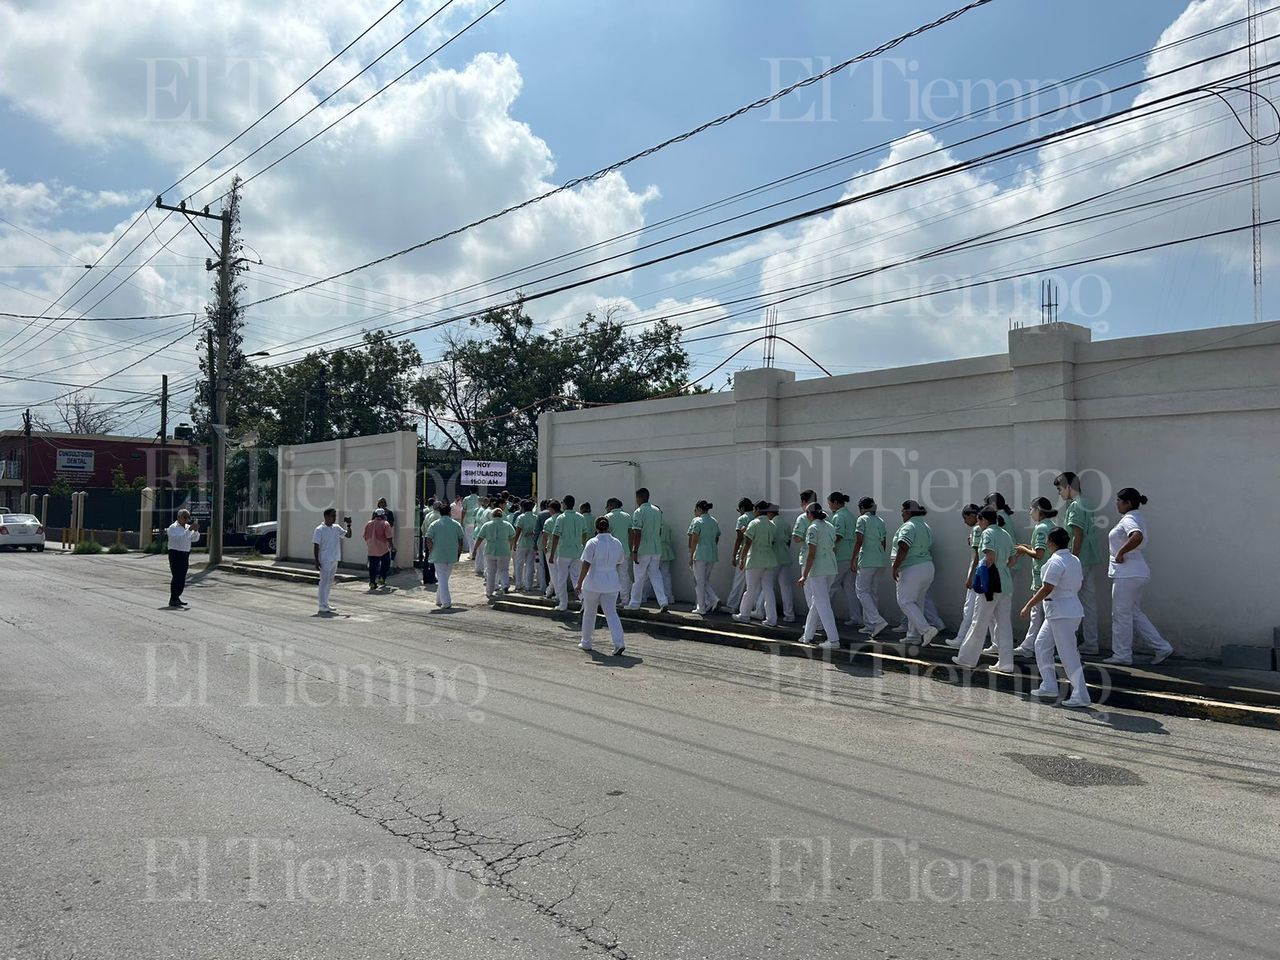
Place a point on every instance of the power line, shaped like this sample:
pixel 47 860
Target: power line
pixel 842 183
pixel 604 171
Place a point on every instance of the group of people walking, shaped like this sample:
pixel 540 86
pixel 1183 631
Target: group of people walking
pixel 832 556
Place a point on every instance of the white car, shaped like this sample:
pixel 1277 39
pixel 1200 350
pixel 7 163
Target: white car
pixel 263 536
pixel 21 530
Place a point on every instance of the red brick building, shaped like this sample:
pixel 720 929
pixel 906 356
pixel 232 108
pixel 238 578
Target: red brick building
pixel 86 462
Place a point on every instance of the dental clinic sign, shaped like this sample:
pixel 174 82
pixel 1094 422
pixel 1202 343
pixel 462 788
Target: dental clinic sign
pixel 75 461
pixel 483 473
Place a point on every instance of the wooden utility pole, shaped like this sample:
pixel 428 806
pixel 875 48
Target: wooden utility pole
pixel 26 456
pixel 164 433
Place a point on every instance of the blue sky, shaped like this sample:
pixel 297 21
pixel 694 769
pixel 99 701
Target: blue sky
pixel 545 91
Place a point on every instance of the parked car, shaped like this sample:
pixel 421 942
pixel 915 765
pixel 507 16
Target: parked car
pixel 21 530
pixel 263 536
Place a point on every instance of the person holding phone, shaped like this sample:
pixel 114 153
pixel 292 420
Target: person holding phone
pixel 182 533
pixel 327 550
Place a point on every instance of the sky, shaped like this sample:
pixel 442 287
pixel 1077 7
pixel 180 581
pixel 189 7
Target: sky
pixel 104 106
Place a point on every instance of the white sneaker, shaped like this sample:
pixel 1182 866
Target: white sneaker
pixel 1004 668
pixel 630 607
pixel 741 619
pixel 1075 701
pixel 865 629
pixel 829 645
pixel 900 629
pixel 1118 662
pixel 991 650
pixel 1160 658
pixel 585 646
pixel 928 636
pixel 1023 652
pixel 960 663
pixel 876 631
pixel 1043 691
pixel 954 643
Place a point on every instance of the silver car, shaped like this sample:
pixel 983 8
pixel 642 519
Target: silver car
pixel 21 530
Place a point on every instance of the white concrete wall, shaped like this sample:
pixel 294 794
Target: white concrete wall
pixel 349 475
pixel 1189 418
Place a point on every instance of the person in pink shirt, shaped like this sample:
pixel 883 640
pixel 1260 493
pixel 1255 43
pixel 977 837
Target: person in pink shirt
pixel 377 541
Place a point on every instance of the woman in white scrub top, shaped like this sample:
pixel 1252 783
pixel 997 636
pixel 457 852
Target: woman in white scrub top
pixel 599 583
pixel 1062 577
pixel 1129 574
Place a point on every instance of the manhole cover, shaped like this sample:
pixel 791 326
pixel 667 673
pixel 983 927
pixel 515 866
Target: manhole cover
pixel 1076 771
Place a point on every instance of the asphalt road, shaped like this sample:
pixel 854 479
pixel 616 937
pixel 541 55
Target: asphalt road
pixel 245 779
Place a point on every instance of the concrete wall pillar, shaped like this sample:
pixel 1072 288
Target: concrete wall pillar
pixel 1043 412
pixel 755 425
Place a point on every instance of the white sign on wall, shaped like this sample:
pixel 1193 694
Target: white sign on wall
pixel 75 461
pixel 484 473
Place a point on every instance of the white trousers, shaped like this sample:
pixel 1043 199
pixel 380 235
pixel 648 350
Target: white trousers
pixel 737 587
pixel 328 570
pixel 768 583
pixel 468 536
pixel 566 576
pixel 624 576
pixel 705 595
pixel 913 586
pixel 1089 601
pixel 477 554
pixel 664 571
pixel 1127 618
pixel 867 583
pixel 757 577
pixel 995 615
pixel 606 603
pixel 931 614
pixel 648 570
pixel 845 582
pixel 442 583
pixel 1033 628
pixel 1060 634
pixel 787 577
pixel 497 573
pixel 524 568
pixel 818 592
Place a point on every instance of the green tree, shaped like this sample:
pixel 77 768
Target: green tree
pixel 119 484
pixel 487 392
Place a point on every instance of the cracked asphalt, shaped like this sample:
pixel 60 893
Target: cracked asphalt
pixel 245 779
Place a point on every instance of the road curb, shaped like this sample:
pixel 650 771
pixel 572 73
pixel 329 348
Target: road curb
pixel 1108 686
pixel 275 573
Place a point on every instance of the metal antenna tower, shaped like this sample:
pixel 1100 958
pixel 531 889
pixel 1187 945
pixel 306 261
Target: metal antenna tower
pixel 770 336
pixel 1048 301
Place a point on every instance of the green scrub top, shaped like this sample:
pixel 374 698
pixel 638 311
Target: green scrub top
pixel 570 529
pixel 1040 540
pixel 526 523
pixel 1079 515
pixel 762 533
pixel 975 534
pixel 445 535
pixel 782 540
pixel 708 531
pixel 821 535
pixel 620 526
pixel 996 539
pixel 915 533
pixel 844 523
pixel 874 553
pixel 497 536
pixel 428 519
pixel 648 519
pixel 668 543
pixel 800 529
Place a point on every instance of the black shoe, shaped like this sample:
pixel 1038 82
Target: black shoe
pixel 619 651
pixel 176 605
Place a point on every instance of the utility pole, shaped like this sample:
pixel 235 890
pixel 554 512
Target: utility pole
pixel 1254 165
pixel 26 456
pixel 219 334
pixel 164 431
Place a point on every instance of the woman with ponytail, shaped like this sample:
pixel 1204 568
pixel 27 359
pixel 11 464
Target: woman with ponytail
pixel 1129 574
pixel 995 603
pixel 870 560
pixel 704 552
pixel 817 572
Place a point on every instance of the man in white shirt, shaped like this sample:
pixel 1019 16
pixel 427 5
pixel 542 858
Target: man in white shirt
pixel 182 533
pixel 327 546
